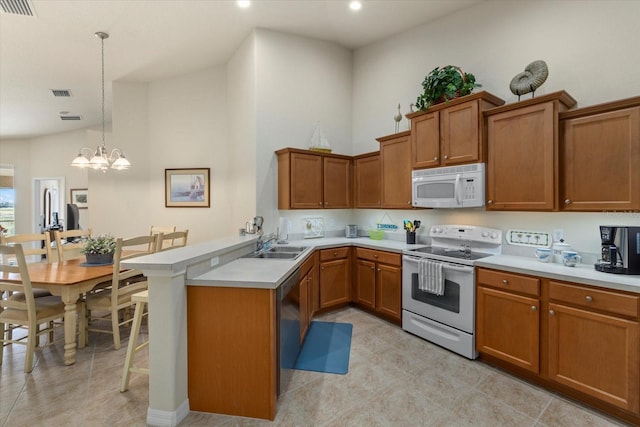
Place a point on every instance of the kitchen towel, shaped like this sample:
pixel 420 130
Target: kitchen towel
pixel 430 278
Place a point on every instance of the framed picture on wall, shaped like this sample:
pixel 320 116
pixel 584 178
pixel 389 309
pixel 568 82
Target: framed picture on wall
pixel 186 188
pixel 80 197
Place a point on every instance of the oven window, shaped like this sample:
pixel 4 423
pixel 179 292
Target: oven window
pixel 436 190
pixel 450 301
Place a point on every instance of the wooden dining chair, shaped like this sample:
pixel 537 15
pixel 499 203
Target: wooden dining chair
pixel 23 310
pixel 154 230
pixel 35 246
pixel 176 239
pixel 69 243
pixel 111 301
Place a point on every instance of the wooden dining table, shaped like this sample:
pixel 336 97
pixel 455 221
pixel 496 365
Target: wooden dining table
pixel 68 280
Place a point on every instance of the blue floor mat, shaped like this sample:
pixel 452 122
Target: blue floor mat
pixel 326 348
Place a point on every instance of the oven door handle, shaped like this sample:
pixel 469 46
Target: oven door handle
pixel 445 265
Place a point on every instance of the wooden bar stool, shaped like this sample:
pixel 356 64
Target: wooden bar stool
pixel 141 299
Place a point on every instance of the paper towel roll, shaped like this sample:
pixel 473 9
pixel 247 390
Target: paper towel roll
pixel 283 229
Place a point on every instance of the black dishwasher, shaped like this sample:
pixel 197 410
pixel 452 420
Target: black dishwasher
pixel 288 328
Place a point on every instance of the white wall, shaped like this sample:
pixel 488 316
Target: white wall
pixel 589 47
pixel 241 107
pixel 188 129
pixel 300 82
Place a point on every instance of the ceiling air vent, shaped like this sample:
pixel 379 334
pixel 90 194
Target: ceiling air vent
pixel 70 117
pixel 60 92
pixel 17 7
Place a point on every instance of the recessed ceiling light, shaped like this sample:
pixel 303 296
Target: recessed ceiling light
pixel 243 3
pixel 355 5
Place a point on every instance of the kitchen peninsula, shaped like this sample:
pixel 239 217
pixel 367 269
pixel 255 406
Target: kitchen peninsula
pixel 171 273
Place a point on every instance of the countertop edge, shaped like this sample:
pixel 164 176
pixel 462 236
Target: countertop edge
pixel 584 274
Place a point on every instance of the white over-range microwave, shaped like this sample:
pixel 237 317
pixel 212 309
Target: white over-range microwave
pixel 449 187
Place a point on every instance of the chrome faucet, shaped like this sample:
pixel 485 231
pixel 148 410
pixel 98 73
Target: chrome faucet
pixel 264 241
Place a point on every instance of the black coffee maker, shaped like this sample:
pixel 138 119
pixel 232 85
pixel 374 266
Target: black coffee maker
pixel 620 248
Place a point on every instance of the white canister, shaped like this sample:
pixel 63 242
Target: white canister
pixel 557 249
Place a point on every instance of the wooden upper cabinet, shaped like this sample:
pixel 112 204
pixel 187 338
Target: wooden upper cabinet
pixel 367 182
pixel 337 182
pixel 425 140
pixel 600 149
pixel 522 166
pixel 306 181
pixel 452 132
pixel 395 154
pixel 461 142
pixel 310 180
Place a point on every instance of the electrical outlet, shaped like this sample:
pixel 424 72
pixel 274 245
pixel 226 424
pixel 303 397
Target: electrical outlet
pixel 215 261
pixel 558 234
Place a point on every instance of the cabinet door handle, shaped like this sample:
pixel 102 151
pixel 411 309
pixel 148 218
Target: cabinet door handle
pixel 373 268
pixel 567 201
pixel 435 158
pixel 505 282
pixel 446 157
pixel 320 203
pixel 551 312
pixel 375 256
pixel 534 308
pixel 489 202
pixel 588 298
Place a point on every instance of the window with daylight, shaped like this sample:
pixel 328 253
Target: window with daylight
pixel 7 201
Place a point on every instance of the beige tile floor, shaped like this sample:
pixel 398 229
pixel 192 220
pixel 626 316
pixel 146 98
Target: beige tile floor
pixel 394 379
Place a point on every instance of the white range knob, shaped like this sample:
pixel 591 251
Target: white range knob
pixel 494 235
pixel 485 234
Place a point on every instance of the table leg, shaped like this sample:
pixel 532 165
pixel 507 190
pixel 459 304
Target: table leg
pixel 70 321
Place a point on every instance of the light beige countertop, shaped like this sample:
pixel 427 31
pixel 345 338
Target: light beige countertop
pixel 582 273
pixel 270 273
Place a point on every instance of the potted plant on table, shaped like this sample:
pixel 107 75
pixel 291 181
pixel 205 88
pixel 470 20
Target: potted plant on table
pixel 443 84
pixel 99 249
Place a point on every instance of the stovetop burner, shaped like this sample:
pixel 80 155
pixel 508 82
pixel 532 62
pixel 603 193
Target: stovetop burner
pixel 452 253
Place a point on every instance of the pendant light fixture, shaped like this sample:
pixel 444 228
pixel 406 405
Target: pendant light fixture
pixel 100 159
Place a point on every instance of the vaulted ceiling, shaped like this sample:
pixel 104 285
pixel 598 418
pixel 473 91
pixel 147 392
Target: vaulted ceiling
pixel 55 49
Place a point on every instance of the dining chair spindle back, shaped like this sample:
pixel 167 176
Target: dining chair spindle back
pixel 124 284
pixel 69 243
pixel 22 310
pixel 176 239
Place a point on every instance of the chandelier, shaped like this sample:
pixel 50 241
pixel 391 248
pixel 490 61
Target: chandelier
pixel 100 159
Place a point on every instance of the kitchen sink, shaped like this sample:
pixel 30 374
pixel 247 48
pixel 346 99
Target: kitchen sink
pixel 277 255
pixel 278 252
pixel 287 249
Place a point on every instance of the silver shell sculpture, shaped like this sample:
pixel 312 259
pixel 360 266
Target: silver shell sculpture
pixel 530 79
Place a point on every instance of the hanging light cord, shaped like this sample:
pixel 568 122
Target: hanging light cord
pixel 102 37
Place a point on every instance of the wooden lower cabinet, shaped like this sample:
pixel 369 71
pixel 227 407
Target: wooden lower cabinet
pixel 364 289
pixel 596 354
pixel 232 355
pixel 335 277
pixel 308 301
pixel 389 291
pixel 378 283
pixel 581 340
pixel 508 327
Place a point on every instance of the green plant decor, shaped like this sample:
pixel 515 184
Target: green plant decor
pixel 443 84
pixel 99 245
